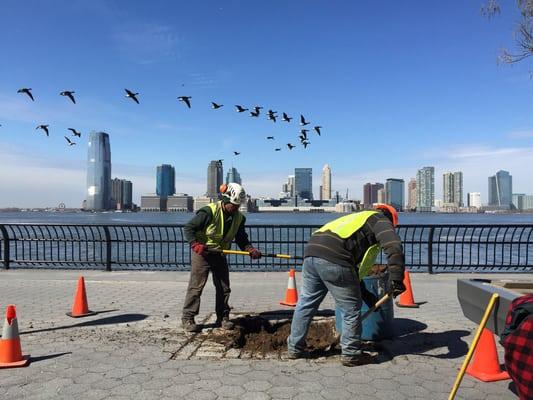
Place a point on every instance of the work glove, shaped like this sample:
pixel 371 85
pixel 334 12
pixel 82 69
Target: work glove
pixel 368 297
pixel 254 253
pixel 397 287
pixel 199 248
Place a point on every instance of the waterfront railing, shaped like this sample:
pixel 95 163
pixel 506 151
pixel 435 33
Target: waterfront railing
pixel 428 248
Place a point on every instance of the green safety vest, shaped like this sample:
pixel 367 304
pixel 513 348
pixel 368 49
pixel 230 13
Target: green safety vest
pixel 345 227
pixel 213 235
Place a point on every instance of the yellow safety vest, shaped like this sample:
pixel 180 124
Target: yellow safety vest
pixel 213 235
pixel 345 227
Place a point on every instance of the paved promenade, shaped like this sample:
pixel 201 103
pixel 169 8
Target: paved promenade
pixel 134 347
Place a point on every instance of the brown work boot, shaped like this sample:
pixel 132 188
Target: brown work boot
pixel 189 325
pixel 360 359
pixel 225 323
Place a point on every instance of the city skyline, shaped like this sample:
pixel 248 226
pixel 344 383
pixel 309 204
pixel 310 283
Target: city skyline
pixel 444 101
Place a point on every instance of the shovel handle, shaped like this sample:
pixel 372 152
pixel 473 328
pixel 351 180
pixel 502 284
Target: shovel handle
pixel 246 253
pixel 376 306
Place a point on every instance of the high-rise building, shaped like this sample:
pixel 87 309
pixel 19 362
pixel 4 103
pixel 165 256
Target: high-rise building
pixel 411 194
pixel 98 172
pixel 233 176
pixel 303 183
pixel 325 189
pixel 381 196
pixel 452 189
pixel 425 189
pixel 121 194
pixel 287 188
pixel 518 201
pixel 166 180
pixel 474 200
pixel 395 193
pixel 370 194
pixel 215 176
pixel 501 190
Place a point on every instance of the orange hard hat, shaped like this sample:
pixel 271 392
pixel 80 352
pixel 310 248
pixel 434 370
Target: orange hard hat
pixel 388 210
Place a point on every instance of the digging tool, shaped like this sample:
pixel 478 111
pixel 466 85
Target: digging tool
pixel 376 306
pixel 246 253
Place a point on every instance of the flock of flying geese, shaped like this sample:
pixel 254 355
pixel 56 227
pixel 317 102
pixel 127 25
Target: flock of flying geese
pixel 271 115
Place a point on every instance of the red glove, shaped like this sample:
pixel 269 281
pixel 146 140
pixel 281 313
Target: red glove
pixel 254 253
pixel 198 248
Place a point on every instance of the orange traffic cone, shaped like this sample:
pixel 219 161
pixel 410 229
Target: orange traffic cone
pixel 406 298
pixel 80 308
pixel 10 350
pixel 485 366
pixel 291 295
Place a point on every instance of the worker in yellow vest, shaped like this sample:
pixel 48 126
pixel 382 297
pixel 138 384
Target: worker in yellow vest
pixel 214 227
pixel 335 257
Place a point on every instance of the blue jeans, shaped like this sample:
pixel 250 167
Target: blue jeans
pixel 320 276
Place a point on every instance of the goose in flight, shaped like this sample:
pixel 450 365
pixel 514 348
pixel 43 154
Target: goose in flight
pixel 69 94
pixel 317 129
pixel 290 146
pixel 132 95
pixel 216 106
pixel 236 153
pixel 270 137
pixel 70 142
pixel 303 122
pixel 75 132
pixel 186 100
pixel 26 91
pixel 240 109
pixel 286 118
pixel 44 128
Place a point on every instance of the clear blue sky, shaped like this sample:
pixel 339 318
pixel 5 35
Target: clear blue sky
pixel 395 85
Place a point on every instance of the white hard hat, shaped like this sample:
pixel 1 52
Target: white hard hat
pixel 233 192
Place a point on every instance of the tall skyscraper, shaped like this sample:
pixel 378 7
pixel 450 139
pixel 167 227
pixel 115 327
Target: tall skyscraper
pixel 166 180
pixel 381 196
pixel 303 183
pixel 98 172
pixel 411 194
pixel 233 176
pixel 215 176
pixel 474 200
pixel 452 188
pixel 395 193
pixel 425 189
pixel 325 189
pixel 370 194
pixel 501 189
pixel 121 193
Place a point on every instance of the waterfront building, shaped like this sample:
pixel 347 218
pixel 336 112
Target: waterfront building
pixel 180 202
pixel 153 202
pixel 98 172
pixel 452 189
pixel 425 189
pixel 370 194
pixel 394 193
pixel 215 175
pixel 411 194
pixel 121 194
pixel 233 176
pixel 381 196
pixel 165 180
pixel 303 183
pixel 325 188
pixel 202 201
pixel 474 200
pixel 501 190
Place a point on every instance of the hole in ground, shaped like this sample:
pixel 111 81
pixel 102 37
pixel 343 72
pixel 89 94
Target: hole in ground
pixel 258 336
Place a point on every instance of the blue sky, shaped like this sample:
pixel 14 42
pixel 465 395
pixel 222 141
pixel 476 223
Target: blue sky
pixel 395 85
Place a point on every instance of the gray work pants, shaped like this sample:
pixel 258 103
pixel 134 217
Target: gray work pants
pixel 200 267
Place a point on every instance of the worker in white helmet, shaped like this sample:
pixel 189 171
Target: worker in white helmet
pixel 214 227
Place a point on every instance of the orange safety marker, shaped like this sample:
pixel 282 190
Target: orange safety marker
pixel 80 308
pixel 486 366
pixel 10 349
pixel 291 294
pixel 406 298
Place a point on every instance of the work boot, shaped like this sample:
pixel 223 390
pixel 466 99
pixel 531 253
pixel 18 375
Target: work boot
pixel 225 323
pixel 361 359
pixel 189 325
pixel 296 355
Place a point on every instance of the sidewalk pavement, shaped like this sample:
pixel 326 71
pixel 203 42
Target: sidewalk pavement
pixel 125 351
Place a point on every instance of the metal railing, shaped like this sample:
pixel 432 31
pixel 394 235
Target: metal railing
pixel 428 248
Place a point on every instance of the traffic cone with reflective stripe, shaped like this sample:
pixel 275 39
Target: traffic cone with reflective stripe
pixel 485 366
pixel 10 350
pixel 80 308
pixel 406 298
pixel 291 295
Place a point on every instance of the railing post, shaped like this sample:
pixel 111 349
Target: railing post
pixel 108 248
pixel 430 249
pixel 6 246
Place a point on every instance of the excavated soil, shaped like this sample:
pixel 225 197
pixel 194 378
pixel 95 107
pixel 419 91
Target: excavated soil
pixel 256 335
